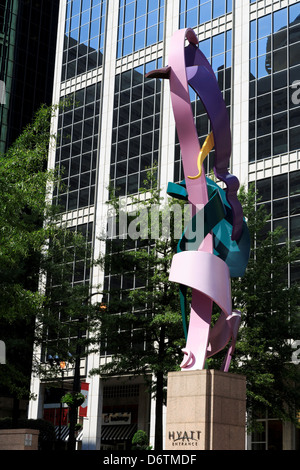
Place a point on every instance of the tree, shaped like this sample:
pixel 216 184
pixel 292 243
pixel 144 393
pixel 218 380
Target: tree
pixel 42 298
pixel 140 441
pixel 23 187
pixel 270 319
pixel 142 327
pixel 65 323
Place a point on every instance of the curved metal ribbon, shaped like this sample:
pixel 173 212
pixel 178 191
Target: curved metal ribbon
pixel 221 232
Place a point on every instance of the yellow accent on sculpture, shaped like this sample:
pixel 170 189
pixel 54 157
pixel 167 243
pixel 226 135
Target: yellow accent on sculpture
pixel 206 148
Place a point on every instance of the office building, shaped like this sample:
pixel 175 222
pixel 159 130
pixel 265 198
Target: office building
pixel 28 32
pixel 121 123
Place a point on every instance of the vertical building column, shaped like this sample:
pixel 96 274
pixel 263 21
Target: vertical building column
pixel 240 90
pixel 91 439
pixel 57 77
pixel 167 142
pixel 92 424
pixel 105 132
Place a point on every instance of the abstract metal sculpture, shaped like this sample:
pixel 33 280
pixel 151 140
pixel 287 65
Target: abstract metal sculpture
pixel 222 236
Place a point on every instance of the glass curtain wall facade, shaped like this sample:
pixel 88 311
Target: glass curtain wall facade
pixel 136 124
pixel 274 68
pixel 280 195
pixel 274 112
pixel 117 124
pixel 274 144
pixel 28 32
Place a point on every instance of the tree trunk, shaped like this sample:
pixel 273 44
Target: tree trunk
pixel 73 421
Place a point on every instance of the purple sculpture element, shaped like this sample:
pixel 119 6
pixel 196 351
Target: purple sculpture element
pixel 205 273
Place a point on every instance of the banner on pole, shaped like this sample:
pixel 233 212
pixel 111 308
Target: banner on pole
pixel 85 391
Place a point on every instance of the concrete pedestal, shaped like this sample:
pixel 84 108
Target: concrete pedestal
pixel 206 410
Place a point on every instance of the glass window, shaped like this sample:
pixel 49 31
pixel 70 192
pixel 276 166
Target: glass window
pixel 280 80
pixel 279 20
pixel 205 47
pixel 295 228
pixel 253 27
pixel 262 66
pixel 294 138
pixel 279 122
pixel 280 142
pixel 294 183
pixel 294 52
pixel 264 85
pixel 264 189
pixel 219 8
pixel 263 126
pixel 294 12
pixel 280 208
pixel 280 186
pixel 141 7
pixel 151 35
pixel 295 205
pixel 264 26
pixel 140 25
pixel 264 105
pixel 280 100
pixel 218 45
pixel 205 13
pixel 263 147
pixel 191 4
pixel 192 17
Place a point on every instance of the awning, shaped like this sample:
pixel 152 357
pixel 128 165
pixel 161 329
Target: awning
pixel 122 432
pixel 64 433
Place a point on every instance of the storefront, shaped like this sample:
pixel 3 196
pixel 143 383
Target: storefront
pixel 125 411
pixel 117 431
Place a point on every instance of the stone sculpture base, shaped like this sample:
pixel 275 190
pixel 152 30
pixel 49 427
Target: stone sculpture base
pixel 206 410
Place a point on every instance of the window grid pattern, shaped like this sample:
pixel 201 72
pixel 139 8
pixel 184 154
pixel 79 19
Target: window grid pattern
pixel 218 51
pixel 76 153
pixel 274 106
pixel 141 24
pixel 136 122
pixel 281 197
pixel 82 267
pixel 269 436
pixel 195 12
pixel 79 272
pixel 115 391
pixel 84 36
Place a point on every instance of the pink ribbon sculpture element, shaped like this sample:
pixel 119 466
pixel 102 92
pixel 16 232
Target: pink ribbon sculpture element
pixel 223 243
